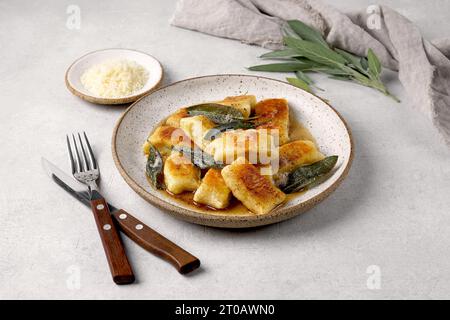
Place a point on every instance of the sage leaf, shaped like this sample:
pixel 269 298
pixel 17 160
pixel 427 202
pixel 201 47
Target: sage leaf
pixel 364 63
pixel 307 33
pixel 154 167
pixel 287 31
pixel 330 71
pixel 341 77
pixel 303 176
pixel 280 67
pixel 216 131
pixel 315 52
pixel 198 157
pixel 353 60
pixel 304 77
pixel 280 54
pixel 299 84
pixel 308 64
pixel 374 64
pixel 217 113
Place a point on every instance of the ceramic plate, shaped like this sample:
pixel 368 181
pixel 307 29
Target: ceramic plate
pixel 332 136
pixel 73 74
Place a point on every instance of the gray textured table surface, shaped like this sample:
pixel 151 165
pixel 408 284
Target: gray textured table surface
pixel 389 220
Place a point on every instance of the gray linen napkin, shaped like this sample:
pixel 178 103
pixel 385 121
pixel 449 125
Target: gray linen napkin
pixel 424 66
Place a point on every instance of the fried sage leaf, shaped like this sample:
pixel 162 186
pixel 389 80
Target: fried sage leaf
pixel 154 168
pixel 198 157
pixel 216 112
pixel 304 176
pixel 216 131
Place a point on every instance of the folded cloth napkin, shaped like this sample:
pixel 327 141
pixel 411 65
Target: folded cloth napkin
pixel 424 66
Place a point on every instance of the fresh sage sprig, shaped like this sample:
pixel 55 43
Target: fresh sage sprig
pixel 305 176
pixel 154 167
pixel 198 157
pixel 307 51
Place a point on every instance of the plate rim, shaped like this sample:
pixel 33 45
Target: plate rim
pixel 110 101
pixel 224 220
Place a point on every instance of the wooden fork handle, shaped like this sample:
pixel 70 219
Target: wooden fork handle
pixel 115 253
pixel 155 243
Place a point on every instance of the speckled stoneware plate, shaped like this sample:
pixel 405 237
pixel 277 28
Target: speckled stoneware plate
pixel 76 70
pixel 331 133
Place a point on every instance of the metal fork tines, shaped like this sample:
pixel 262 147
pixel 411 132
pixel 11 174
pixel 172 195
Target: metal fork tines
pixel 83 164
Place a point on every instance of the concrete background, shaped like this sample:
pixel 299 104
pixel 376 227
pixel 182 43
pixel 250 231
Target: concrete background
pixel 392 212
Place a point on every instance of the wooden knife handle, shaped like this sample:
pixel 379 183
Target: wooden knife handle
pixel 155 243
pixel 115 253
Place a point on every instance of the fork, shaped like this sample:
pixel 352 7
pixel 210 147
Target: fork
pixel 85 169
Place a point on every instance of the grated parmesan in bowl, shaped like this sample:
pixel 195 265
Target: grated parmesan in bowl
pixel 114 78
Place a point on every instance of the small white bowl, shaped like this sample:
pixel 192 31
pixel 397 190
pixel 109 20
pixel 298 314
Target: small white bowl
pixel 76 70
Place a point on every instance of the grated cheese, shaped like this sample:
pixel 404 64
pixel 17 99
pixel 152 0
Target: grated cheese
pixel 114 78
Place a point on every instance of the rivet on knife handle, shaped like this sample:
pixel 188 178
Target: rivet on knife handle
pixel 155 243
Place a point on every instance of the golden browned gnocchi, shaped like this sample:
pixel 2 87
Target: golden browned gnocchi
pixel 234 152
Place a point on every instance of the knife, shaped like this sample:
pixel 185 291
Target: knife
pixel 136 230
